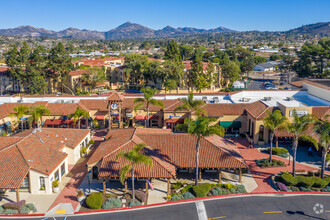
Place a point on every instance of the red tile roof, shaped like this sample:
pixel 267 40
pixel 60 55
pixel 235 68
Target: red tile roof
pixel 115 96
pixel 77 72
pixel 168 151
pixel 321 112
pixel 219 110
pixel 187 65
pixel 257 110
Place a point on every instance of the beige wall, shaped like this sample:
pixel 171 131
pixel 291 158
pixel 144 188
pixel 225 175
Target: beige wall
pixel 286 110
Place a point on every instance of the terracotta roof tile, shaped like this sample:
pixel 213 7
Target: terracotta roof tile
pixel 218 110
pixel 321 112
pixel 257 109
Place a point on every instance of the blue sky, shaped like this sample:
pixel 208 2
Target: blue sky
pixel 102 15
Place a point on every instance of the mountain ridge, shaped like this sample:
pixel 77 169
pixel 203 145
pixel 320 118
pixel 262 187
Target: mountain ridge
pixel 133 30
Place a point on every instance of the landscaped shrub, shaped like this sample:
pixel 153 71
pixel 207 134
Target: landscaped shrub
pixel 187 188
pixel 282 187
pixel 287 179
pixel 304 189
pixel 178 185
pixel 326 189
pixel 214 192
pixel 140 195
pixel 55 184
pixel 188 195
pixel 293 188
pixel 279 151
pixel 1 209
pixel 27 208
pixel 265 163
pixel 112 203
pixel 225 192
pixel 219 191
pixel 14 205
pixel 10 211
pixel 228 185
pixel 328 178
pixel 319 183
pixel 232 190
pixel 94 200
pixel 304 181
pixel 241 188
pixel 134 203
pixel 176 197
pixel 201 190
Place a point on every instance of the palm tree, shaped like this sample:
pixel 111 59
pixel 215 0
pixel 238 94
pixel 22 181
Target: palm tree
pixel 133 157
pixel 201 128
pixel 148 94
pixel 274 121
pixel 297 128
pixel 322 128
pixel 189 104
pixel 78 114
pixel 20 111
pixel 37 112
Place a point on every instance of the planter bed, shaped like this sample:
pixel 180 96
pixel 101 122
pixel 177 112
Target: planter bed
pixel 264 163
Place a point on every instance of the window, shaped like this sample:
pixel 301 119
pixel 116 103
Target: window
pixel 56 175
pixel 42 183
pixel 63 169
pixel 25 183
pixel 261 133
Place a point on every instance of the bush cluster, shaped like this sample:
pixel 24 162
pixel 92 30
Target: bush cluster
pixel 140 195
pixel 176 197
pixel 112 203
pixel 265 163
pixel 187 188
pixel 14 205
pixel 279 151
pixel 201 190
pixel 302 181
pixel 94 200
pixel 134 203
pixel 188 195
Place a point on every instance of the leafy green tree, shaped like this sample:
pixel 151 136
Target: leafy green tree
pixel 275 121
pixel 201 84
pixel 274 57
pixel 259 59
pixel 196 69
pixel 133 158
pixel 201 128
pixel 135 66
pixel 186 51
pixel 174 72
pixel 155 72
pixel 322 128
pixel 207 55
pixel 190 104
pixel 231 71
pixel 170 84
pixel 78 114
pixel 37 112
pixel 247 64
pixel 297 128
pixel 148 99
pixel 211 76
pixel 20 111
pixel 172 51
pixel 93 76
pixel 59 65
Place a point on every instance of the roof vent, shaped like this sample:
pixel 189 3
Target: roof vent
pixel 289 99
pixel 267 98
pixel 245 99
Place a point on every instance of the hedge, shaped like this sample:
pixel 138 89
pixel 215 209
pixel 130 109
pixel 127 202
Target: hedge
pixel 287 179
pixel 304 181
pixel 265 163
pixel 279 151
pixel 176 198
pixel 94 200
pixel 319 182
pixel 241 189
pixel 188 195
pixel 1 209
pixel 201 190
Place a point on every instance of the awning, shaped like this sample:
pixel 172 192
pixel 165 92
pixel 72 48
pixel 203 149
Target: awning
pixel 174 120
pixel 153 117
pixel 231 124
pixel 140 117
pixel 99 117
pixel 54 121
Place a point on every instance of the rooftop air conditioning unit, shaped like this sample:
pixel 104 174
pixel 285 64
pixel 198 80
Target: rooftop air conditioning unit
pixel 245 99
pixel 267 98
pixel 289 98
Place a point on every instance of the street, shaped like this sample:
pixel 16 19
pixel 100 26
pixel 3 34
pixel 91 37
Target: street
pixel 276 206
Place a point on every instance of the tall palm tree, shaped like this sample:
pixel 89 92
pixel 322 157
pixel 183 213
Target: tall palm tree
pixel 322 128
pixel 37 112
pixel 274 121
pixel 297 128
pixel 148 94
pixel 189 104
pixel 79 113
pixel 133 157
pixel 201 128
pixel 20 111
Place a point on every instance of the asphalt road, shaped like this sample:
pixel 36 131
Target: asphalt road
pixel 251 207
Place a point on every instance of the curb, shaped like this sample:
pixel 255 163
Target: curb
pixel 174 202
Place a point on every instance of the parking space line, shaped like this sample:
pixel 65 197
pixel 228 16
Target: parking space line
pixel 201 211
pixel 273 212
pixel 217 217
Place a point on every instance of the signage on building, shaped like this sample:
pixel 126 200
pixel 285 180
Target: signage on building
pixel 174 116
pixel 299 113
pixel 114 106
pixel 129 115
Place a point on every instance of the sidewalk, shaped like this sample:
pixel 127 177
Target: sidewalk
pixel 263 175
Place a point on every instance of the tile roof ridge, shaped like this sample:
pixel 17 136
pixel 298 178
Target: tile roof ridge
pixel 117 149
pixel 177 100
pixel 19 150
pixel 15 144
pixel 263 112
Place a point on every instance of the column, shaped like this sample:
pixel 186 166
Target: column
pixel 147 191
pixel 240 176
pixel 200 174
pixel 17 195
pixel 219 177
pixel 168 186
pixel 125 185
pixel 104 186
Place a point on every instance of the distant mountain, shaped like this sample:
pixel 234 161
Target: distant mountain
pixel 318 28
pixel 132 30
